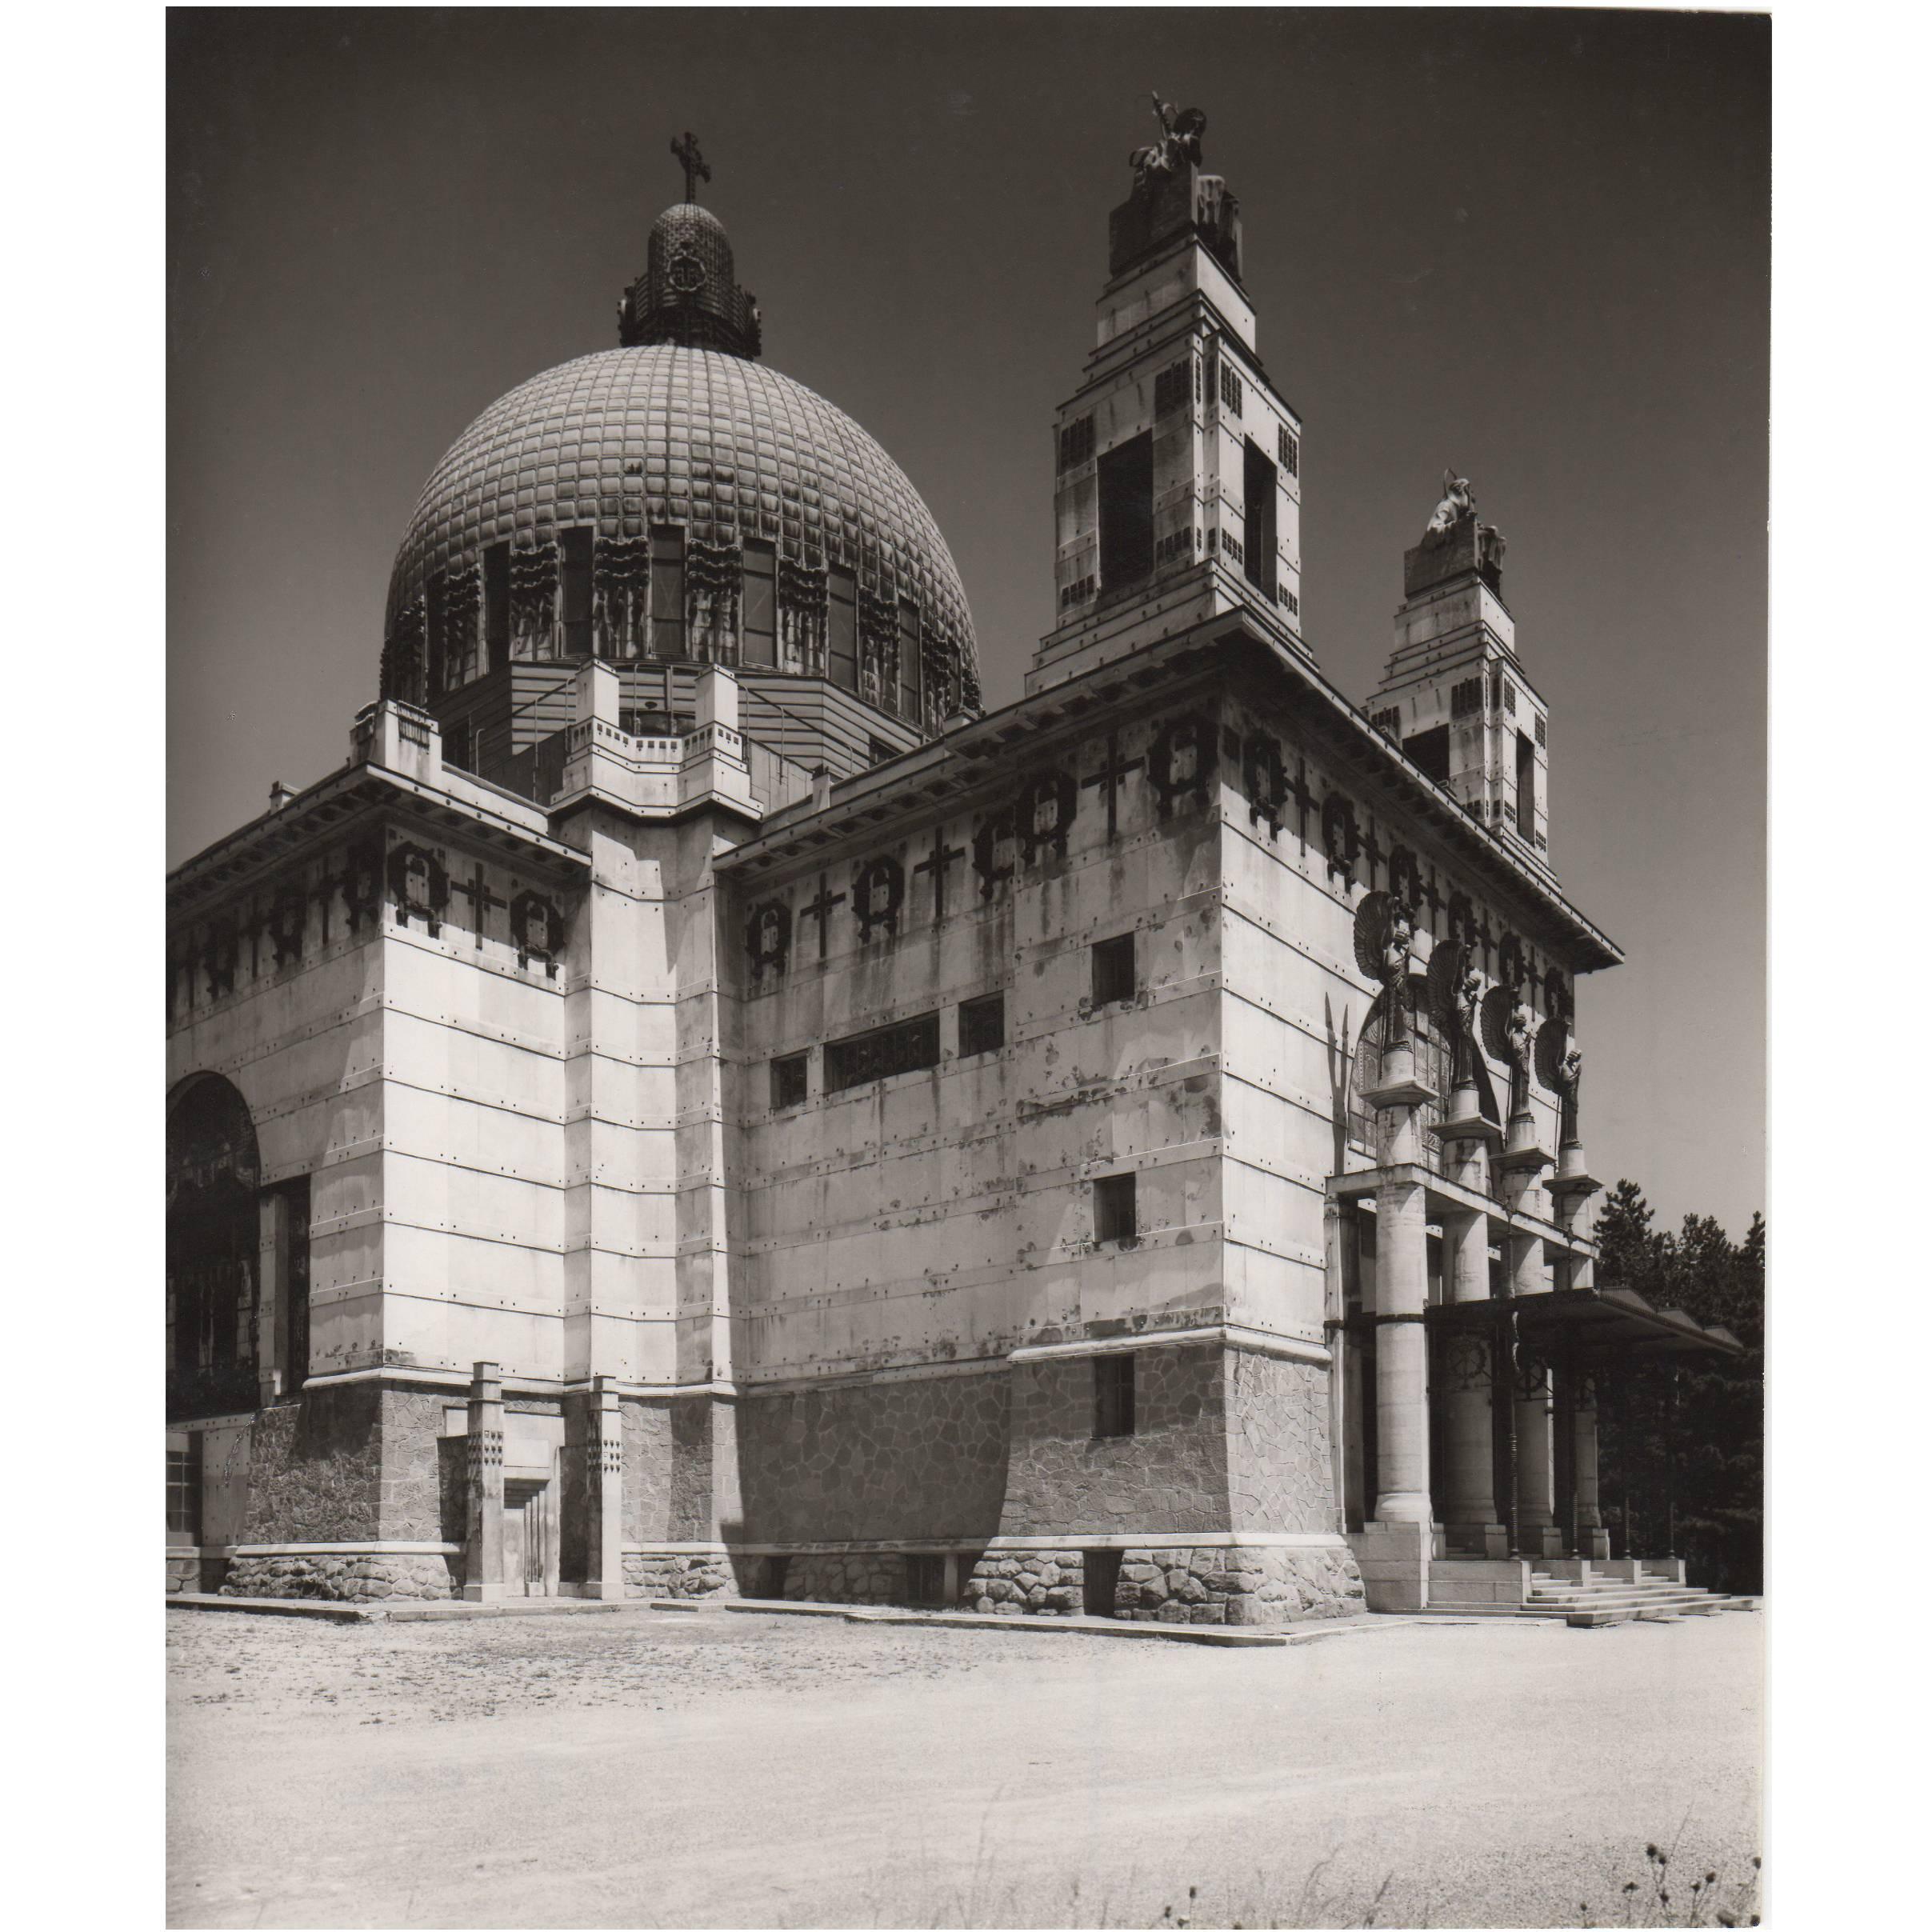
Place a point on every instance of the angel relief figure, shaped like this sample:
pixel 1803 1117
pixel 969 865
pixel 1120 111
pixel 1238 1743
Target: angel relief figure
pixel 1180 142
pixel 1523 1048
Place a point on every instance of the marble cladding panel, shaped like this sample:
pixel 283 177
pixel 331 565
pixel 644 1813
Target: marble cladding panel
pixel 914 1457
pixel 1062 1479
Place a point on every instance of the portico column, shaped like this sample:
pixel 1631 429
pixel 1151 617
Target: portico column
pixel 1592 1537
pixel 1394 1552
pixel 1536 1523
pixel 483 1553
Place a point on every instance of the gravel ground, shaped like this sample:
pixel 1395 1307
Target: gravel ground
pixel 644 1768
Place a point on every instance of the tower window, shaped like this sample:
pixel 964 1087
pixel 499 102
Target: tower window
pixel 576 540
pixel 1113 977
pixel 1429 752
pixel 1389 722
pixel 842 627
pixel 1172 388
pixel 1257 480
pixel 1127 512
pixel 1230 390
pixel 983 1025
pixel 667 592
pixel 1542 736
pixel 1288 446
pixel 1465 698
pixel 788 1082
pixel 1076 442
pixel 760 603
pixel 1114 1394
pixel 1525 784
pixel 496 605
pixel 912 671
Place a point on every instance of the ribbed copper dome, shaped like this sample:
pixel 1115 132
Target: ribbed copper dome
pixel 629 440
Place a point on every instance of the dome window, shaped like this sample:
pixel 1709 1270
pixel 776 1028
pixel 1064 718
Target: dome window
pixel 842 628
pixel 760 644
pixel 667 592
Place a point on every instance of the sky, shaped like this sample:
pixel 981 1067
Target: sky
pixel 1532 246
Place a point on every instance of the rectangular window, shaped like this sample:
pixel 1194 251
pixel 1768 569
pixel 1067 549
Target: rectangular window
pixel 1114 971
pixel 458 746
pixel 667 592
pixel 983 1025
pixel 1076 442
pixel 760 603
pixel 1172 387
pixel 878 751
pixel 1288 446
pixel 1542 734
pixel 912 671
pixel 1258 486
pixel 924 1579
pixel 496 606
pixel 576 542
pixel 788 1082
pixel 1465 698
pixel 910 1046
pixel 1525 784
pixel 842 627
pixel 1114 1394
pixel 292 1321
pixel 1127 512
pixel 1230 390
pixel 1113 1215
pixel 185 1493
pixel 1429 752
pixel 1389 722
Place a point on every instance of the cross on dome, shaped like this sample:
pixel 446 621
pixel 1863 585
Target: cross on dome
pixel 696 168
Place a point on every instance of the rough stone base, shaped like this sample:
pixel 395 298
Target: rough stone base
pixel 1025 1583
pixel 346 1577
pixel 1243 1586
pixel 834 1577
pixel 1237 1585
pixel 184 1572
pixel 703 1574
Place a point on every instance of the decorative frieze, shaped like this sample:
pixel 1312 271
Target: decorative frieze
pixel 533 574
pixel 802 610
pixel 620 577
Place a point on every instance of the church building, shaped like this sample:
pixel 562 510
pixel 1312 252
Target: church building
pixel 697 1106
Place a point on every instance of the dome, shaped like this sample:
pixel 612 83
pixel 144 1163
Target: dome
pixel 628 456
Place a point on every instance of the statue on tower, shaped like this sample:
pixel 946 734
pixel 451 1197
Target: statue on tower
pixel 1457 508
pixel 1180 142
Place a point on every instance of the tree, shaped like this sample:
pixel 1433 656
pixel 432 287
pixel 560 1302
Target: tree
pixel 1683 1436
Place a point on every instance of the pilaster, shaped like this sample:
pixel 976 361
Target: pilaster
pixel 483 1551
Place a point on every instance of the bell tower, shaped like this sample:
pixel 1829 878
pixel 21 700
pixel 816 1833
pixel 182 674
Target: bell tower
pixel 1177 491
pixel 1454 695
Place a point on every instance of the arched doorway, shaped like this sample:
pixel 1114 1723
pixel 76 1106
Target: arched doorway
pixel 214 1243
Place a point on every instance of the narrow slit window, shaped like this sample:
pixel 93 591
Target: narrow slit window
pixel 760 603
pixel 576 541
pixel 1114 1394
pixel 1127 512
pixel 667 592
pixel 496 606
pixel 912 672
pixel 1526 783
pixel 1115 1214
pixel 1258 517
pixel 842 628
pixel 1113 977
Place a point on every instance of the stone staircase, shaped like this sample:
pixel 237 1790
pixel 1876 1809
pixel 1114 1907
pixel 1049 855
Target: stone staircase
pixel 1586 1602
pixel 1586 1594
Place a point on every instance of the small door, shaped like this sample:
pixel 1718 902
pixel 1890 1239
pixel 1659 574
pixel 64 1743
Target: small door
pixel 516 1549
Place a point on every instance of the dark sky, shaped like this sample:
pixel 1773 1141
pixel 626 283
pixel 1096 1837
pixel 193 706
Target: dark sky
pixel 1534 245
